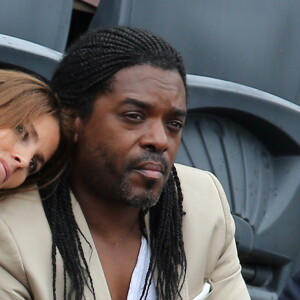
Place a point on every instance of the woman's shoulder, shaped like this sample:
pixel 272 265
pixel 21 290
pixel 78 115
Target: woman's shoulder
pixel 25 246
pixel 20 203
pixel 22 212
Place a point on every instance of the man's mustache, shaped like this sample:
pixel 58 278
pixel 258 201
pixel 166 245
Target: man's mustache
pixel 150 157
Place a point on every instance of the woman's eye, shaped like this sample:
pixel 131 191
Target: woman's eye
pixel 22 132
pixel 20 129
pixel 32 166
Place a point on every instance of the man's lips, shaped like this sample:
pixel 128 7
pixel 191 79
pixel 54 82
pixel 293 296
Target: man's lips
pixel 152 170
pixel 4 170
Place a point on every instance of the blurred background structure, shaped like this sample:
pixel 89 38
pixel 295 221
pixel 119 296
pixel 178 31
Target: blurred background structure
pixel 243 61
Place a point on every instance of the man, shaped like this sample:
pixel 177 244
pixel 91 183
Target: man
pixel 121 224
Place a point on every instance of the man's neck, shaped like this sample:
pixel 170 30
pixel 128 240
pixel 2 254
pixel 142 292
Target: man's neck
pixel 116 232
pixel 115 228
pixel 110 220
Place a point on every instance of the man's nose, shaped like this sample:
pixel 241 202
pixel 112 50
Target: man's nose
pixel 155 138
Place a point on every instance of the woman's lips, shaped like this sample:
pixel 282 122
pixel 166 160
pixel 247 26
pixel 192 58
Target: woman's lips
pixel 4 171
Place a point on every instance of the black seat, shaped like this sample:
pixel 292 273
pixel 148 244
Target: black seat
pixel 248 139
pixel 251 42
pixel 33 34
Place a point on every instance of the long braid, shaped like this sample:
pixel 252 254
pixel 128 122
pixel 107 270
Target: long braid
pixel 86 72
pixel 66 237
pixel 166 240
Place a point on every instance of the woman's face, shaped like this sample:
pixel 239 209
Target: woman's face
pixel 25 149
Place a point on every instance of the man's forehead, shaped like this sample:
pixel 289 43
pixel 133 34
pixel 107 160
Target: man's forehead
pixel 140 73
pixel 145 77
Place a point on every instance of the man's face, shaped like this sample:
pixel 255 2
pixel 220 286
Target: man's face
pixel 127 147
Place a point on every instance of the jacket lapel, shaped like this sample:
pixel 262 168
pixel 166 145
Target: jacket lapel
pixel 99 280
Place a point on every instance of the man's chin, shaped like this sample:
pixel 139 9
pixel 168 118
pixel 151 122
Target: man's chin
pixel 141 200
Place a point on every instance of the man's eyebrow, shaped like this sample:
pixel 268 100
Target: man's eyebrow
pixel 180 112
pixel 141 104
pixel 136 102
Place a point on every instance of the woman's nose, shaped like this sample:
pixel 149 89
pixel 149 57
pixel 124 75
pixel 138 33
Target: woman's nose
pixel 22 157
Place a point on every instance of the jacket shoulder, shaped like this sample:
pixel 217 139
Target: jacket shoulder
pixel 26 259
pixel 20 208
pixel 201 185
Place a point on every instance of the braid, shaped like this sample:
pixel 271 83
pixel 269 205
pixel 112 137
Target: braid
pixel 166 241
pixel 86 72
pixel 66 238
pixel 179 190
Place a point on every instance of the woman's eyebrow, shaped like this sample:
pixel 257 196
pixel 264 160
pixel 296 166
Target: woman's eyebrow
pixel 40 158
pixel 33 132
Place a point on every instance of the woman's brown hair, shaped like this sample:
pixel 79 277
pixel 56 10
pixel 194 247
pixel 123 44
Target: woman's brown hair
pixel 24 97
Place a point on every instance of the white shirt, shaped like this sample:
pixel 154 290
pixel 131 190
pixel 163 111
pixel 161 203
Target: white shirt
pixel 139 274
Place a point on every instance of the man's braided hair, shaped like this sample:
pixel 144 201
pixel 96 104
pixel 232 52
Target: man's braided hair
pixel 86 72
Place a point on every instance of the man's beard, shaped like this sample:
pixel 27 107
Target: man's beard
pixel 128 196
pixel 149 198
pixel 102 174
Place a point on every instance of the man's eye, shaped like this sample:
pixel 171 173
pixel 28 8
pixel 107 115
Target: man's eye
pixel 32 166
pixel 134 116
pixel 176 124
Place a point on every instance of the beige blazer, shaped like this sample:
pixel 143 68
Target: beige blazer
pixel 208 230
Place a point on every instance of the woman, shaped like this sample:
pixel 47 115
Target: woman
pixel 32 130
